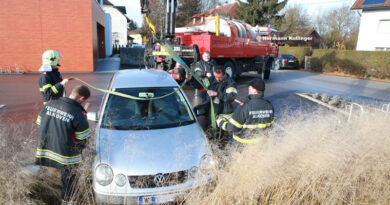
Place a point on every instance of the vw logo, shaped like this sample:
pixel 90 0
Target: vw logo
pixel 159 180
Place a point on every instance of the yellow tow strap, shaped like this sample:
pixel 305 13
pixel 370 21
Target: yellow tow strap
pixel 122 94
pixel 151 26
pixel 173 54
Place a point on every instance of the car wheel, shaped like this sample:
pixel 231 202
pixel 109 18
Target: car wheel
pixel 230 69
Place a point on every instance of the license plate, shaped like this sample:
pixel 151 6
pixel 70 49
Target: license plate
pixel 147 200
pixel 291 61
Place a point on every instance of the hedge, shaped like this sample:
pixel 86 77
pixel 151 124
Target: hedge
pixel 361 63
pixel 298 52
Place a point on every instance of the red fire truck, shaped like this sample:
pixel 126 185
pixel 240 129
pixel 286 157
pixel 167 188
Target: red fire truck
pixel 236 45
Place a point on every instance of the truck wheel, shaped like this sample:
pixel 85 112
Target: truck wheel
pixel 261 73
pixel 230 69
pixel 258 64
pixel 196 53
pixel 267 71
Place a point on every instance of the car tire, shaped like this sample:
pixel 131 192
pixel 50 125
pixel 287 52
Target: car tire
pixel 230 69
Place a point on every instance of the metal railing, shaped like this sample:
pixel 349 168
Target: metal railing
pixel 351 110
pixel 386 108
pixel 6 69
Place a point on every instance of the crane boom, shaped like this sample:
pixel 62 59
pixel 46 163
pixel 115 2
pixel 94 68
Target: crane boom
pixel 155 56
pixel 170 21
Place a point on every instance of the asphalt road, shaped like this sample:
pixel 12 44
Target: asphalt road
pixel 20 93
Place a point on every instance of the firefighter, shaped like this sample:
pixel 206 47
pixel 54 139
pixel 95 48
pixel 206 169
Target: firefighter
pixel 251 117
pixel 63 129
pixel 223 92
pixel 205 67
pixel 51 84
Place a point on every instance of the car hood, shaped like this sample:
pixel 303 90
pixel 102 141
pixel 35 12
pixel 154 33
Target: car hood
pixel 148 152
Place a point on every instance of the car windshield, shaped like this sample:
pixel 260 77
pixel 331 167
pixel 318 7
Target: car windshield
pixel 127 114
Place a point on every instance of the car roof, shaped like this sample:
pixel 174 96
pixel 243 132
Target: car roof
pixel 142 78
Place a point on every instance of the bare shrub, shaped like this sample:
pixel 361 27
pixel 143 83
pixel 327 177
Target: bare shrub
pixel 21 182
pixel 17 151
pixel 318 161
pixel 83 193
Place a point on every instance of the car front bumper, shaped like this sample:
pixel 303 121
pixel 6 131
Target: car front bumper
pixel 146 199
pixel 152 195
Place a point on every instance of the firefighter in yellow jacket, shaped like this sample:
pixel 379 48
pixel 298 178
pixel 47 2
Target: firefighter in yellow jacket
pixel 51 84
pixel 251 117
pixel 63 132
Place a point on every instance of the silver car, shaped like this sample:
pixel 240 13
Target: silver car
pixel 148 151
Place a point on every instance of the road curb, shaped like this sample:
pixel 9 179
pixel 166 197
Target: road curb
pixel 350 106
pixel 333 74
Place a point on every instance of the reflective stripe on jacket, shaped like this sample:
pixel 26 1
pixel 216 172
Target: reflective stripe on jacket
pixel 227 92
pixel 63 130
pixel 255 115
pixel 42 153
pixel 50 85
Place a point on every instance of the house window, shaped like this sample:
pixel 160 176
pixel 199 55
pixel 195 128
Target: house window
pixel 100 2
pixel 384 26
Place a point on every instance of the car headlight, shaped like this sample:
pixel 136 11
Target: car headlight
pixel 103 174
pixel 206 164
pixel 193 171
pixel 120 180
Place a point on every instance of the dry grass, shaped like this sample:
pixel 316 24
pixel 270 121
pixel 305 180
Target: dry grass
pixel 22 183
pixel 16 152
pixel 318 161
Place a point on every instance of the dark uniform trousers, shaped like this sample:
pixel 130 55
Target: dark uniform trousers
pixel 63 132
pixel 50 86
pixel 69 180
pixel 250 120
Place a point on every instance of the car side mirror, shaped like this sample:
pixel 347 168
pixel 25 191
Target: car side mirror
pixel 92 116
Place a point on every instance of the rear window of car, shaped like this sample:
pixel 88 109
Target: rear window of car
pixel 172 110
pixel 286 57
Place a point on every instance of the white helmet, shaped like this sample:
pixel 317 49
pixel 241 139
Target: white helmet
pixel 49 58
